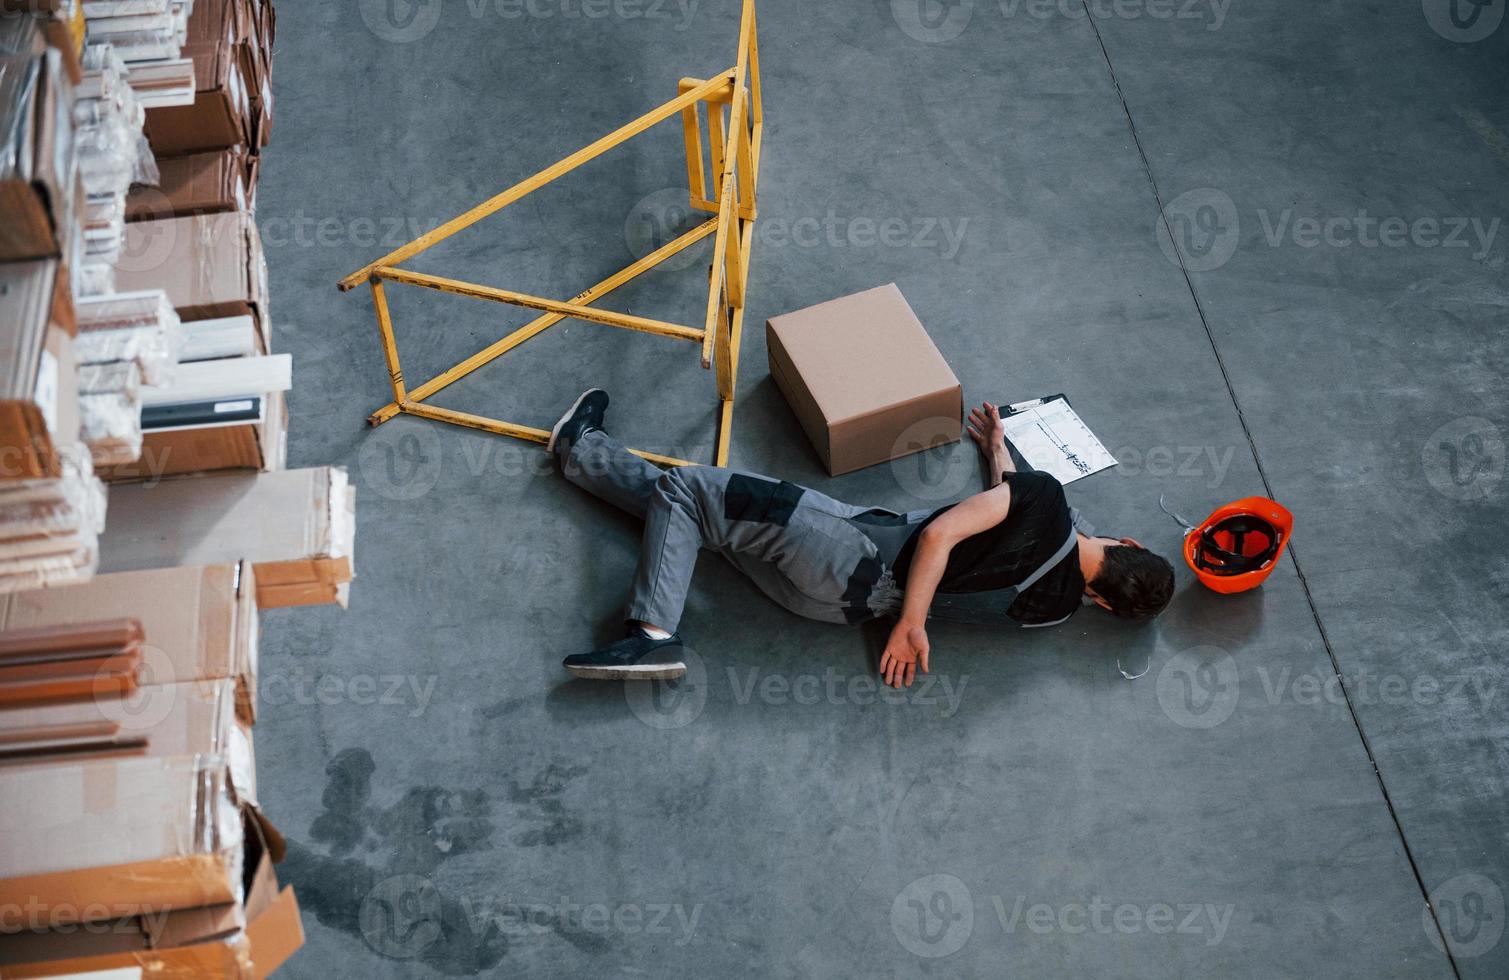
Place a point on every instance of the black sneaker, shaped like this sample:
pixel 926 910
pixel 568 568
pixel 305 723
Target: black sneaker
pixel 584 415
pixel 636 657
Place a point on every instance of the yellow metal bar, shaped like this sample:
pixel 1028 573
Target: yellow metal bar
pixel 389 347
pixel 526 432
pixel 732 281
pixel 725 431
pixel 736 325
pixel 715 142
pixel 757 105
pixel 746 171
pixel 591 314
pixel 539 324
pixel 566 165
pixel 471 421
pixel 691 136
pixel 723 358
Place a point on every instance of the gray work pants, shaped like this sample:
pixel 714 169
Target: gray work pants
pixel 816 556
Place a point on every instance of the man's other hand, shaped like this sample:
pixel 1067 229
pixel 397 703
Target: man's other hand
pixel 988 431
pixel 904 652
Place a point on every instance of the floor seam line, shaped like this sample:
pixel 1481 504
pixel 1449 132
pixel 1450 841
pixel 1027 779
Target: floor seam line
pixel 1257 460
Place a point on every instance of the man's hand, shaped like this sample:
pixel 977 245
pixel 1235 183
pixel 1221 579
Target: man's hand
pixel 989 433
pixel 906 648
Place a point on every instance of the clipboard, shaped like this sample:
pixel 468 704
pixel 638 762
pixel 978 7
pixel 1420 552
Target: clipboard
pixel 1051 437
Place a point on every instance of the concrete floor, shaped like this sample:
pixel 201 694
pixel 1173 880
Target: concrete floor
pixel 1333 175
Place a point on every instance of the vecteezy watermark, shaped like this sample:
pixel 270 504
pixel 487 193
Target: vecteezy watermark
pixel 405 461
pixel 1464 459
pixel 1201 230
pixel 302 230
pixel 406 21
pixel 671 704
pixel 519 919
pixel 934 916
pixel 677 703
pixel 936 21
pixel 832 687
pixel 1366 687
pixel 1186 462
pixel 302 687
pixel 661 216
pixel 928 463
pixel 92 918
pixel 1463 21
pixel 1470 909
pixel 1098 917
pixel 403 916
pixel 1199 687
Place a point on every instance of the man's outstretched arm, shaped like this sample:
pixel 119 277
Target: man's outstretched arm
pixel 908 645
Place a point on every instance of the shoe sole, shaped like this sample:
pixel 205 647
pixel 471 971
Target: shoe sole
pixel 644 672
pixel 555 430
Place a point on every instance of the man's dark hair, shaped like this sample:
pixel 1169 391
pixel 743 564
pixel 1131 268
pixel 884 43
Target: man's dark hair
pixel 1136 582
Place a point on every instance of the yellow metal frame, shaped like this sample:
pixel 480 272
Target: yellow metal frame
pixel 734 147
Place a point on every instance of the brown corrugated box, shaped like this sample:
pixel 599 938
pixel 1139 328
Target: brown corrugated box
pixel 296 526
pixel 248 937
pixel 200 183
pixel 210 265
pixel 248 446
pixel 36 202
pixel 80 661
pixel 221 113
pixel 39 403
pixel 143 834
pixel 864 379
pixel 185 718
pixel 200 623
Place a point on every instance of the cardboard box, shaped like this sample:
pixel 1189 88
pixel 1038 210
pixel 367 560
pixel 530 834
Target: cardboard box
pixel 200 183
pixel 257 445
pixel 100 840
pixel 247 938
pixel 185 718
pixel 39 399
pixel 68 664
pixel 211 265
pixel 221 113
pixel 297 527
pixel 864 379
pixel 38 165
pixel 200 623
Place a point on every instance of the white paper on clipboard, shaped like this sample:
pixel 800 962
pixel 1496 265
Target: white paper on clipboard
pixel 1054 439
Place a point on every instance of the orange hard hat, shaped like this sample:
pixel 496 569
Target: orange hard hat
pixel 1237 547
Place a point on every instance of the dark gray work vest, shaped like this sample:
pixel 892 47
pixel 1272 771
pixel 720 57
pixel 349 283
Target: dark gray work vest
pixel 890 531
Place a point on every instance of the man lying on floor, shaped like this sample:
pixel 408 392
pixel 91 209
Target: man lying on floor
pixel 1017 546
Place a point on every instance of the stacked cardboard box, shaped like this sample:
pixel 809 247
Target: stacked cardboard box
pixel 128 790
pixel 192 233
pixel 38 164
pixel 136 339
pixel 149 36
pixel 209 150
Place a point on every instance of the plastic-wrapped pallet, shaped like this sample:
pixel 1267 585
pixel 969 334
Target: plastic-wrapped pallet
pixel 142 30
pixel 140 326
pixel 50 528
pixel 113 153
pixel 110 412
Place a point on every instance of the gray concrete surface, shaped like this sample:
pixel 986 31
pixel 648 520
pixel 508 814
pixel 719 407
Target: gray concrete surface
pixel 457 807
